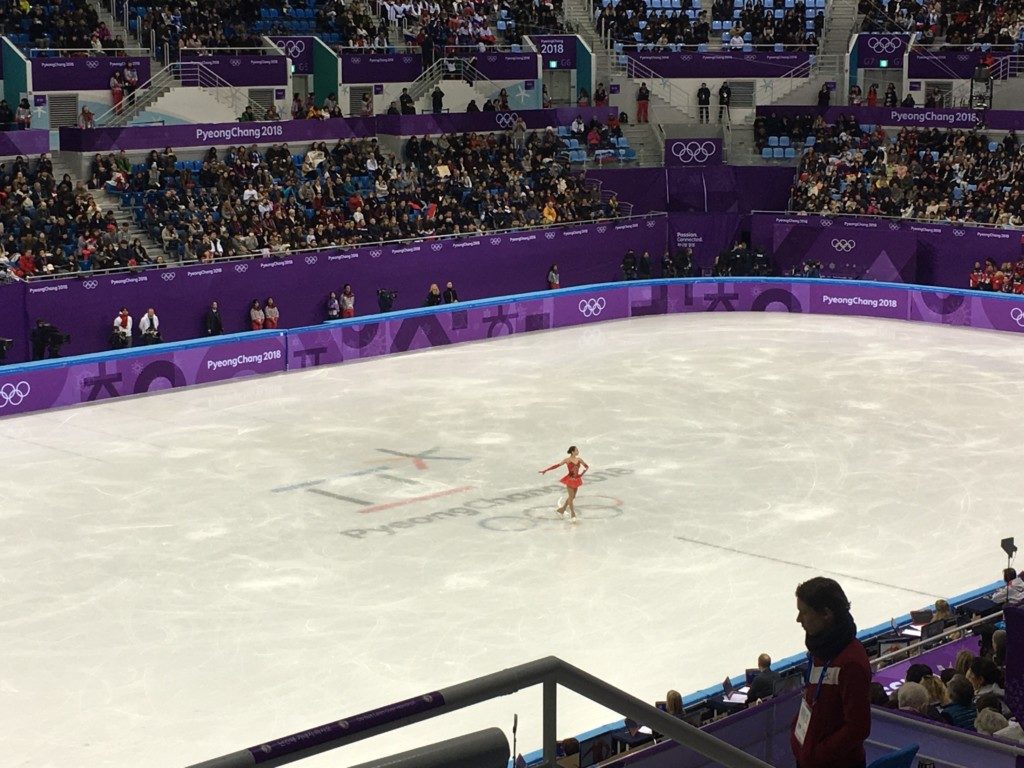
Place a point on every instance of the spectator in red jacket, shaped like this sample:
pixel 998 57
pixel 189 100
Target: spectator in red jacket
pixel 835 712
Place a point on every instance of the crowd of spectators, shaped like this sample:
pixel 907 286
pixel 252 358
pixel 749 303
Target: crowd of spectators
pixel 52 226
pixel 183 27
pixel 72 26
pixel 921 173
pixel 633 24
pixel 952 23
pixel 247 200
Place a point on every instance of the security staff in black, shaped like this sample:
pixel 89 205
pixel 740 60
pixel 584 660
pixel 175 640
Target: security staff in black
pixel 724 97
pixel 703 103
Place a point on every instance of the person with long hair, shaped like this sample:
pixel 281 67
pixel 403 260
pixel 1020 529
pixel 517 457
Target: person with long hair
pixel 835 710
pixel 572 481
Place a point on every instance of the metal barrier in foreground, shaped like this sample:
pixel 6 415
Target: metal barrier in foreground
pixel 548 672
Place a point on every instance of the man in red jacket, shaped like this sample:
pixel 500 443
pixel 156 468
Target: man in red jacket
pixel 835 712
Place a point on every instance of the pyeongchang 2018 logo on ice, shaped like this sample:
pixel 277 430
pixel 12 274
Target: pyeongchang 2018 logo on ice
pixel 858 301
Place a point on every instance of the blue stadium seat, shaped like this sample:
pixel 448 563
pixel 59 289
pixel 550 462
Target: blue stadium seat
pixel 773 141
pixel 783 141
pixel 748 48
pixel 748 37
pixel 810 141
pixel 766 153
pixel 901 758
pixel 778 153
pixel 780 13
pixel 725 37
pixel 790 152
pixel 716 25
pixel 779 47
pixel 993 146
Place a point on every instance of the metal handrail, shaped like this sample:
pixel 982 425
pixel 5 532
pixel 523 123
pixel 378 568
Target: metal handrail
pixel 437 72
pixel 372 244
pixel 549 672
pixel 902 652
pixel 188 74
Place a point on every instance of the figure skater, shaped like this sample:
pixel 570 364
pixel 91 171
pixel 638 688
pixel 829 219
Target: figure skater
pixel 571 481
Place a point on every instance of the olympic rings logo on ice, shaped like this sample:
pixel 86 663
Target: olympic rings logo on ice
pixel 693 151
pixel 959 233
pixel 91 63
pixel 592 307
pixel 436 246
pixel 495 241
pixel 291 48
pixel 311 260
pixel 90 284
pixel 885 44
pixel 506 119
pixel 14 394
pixel 1017 315
pixel 240 268
pixel 550 235
pixel 168 276
pixel 375 253
pixel 844 246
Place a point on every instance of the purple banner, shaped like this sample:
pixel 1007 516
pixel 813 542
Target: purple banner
pixel 69 382
pixel 213 134
pixel 243 70
pixel 31 142
pixel 692 152
pixel 915 117
pixel 938 659
pixel 485 266
pixel 507 66
pixel 299 49
pixel 93 380
pixel 560 49
pixel 83 74
pixel 707 234
pixel 853 249
pixel 722 65
pixel 482 122
pixel 1014 618
pixel 954 65
pixel 727 188
pixel 874 47
pixel 380 67
pixel 924 253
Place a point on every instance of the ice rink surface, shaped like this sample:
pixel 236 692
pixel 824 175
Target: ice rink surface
pixel 191 573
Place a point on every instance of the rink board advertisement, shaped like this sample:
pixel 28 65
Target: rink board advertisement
pixel 93 378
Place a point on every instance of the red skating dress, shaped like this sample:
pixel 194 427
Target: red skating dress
pixel 573 479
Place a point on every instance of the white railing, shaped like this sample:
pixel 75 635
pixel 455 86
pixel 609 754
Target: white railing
pixel 189 74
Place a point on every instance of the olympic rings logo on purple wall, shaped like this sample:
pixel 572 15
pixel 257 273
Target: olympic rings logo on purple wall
pixel 14 394
pixel 843 246
pixel 889 44
pixel 693 151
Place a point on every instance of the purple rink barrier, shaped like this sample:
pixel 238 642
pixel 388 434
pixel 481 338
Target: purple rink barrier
pixel 380 67
pixel 951 65
pixel 30 142
pixel 298 48
pixel 350 726
pixel 243 70
pixel 692 152
pixel 925 253
pixel 721 65
pixel 938 659
pixel 83 74
pixel 95 378
pixel 480 267
pixel 306 131
pixel 50 384
pixel 873 47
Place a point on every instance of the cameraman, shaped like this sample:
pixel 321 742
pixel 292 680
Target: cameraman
pixel 386 299
pixel 46 338
pixel 149 328
pixel 121 335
